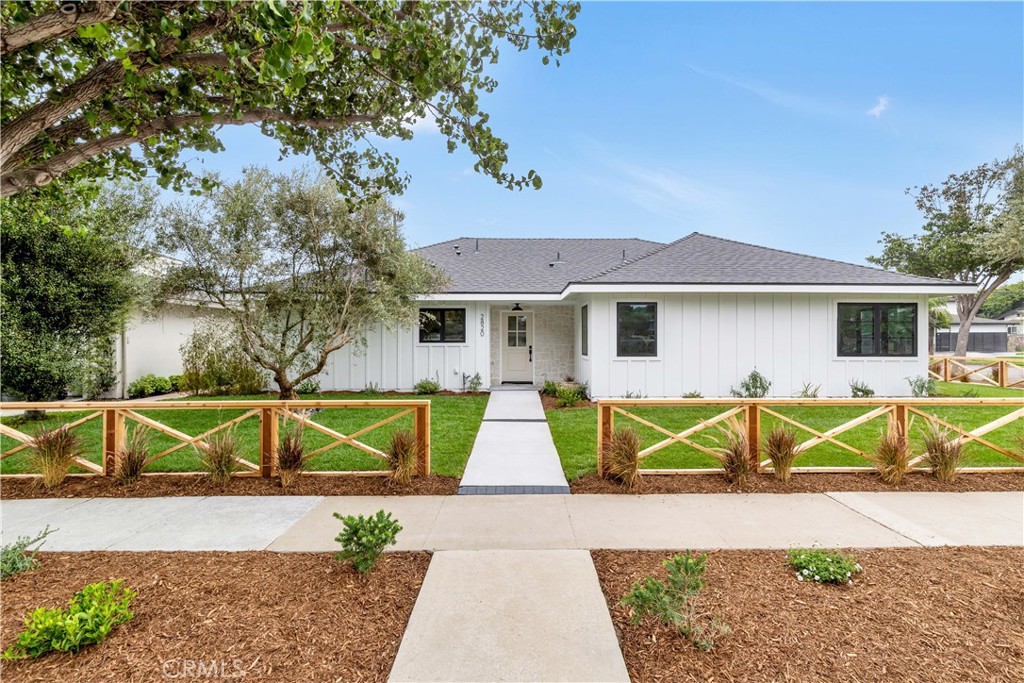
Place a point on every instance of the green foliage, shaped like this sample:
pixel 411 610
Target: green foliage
pixel 674 601
pixel 754 385
pixel 17 557
pixel 475 383
pixel 734 453
pixel 149 385
pixel 363 539
pixel 54 452
pixel 921 386
pixel 620 455
pixel 823 566
pixel 693 394
pixel 550 388
pixel 175 381
pixel 403 456
pixel 1002 300
pixel 98 372
pixel 219 457
pixel 320 78
pixel 569 395
pixel 859 389
pixel 66 287
pixel 131 459
pixel 780 447
pixel 372 389
pixel 809 390
pixel 91 615
pixel 427 386
pixel 309 386
pixel 295 268
pixel 944 452
pixel 215 363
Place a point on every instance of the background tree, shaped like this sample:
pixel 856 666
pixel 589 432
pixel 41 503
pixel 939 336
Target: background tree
pixel 1002 300
pixel 296 268
pixel 939 318
pixel 84 81
pixel 67 284
pixel 973 232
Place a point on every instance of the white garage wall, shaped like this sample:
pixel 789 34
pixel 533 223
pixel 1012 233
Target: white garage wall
pixel 708 342
pixel 395 360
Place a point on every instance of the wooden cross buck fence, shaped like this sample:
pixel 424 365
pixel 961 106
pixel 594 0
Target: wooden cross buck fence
pixel 996 373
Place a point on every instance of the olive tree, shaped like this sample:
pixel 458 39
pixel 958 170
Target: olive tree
pixel 298 270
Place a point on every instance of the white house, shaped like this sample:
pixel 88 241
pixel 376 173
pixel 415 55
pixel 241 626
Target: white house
pixel 631 315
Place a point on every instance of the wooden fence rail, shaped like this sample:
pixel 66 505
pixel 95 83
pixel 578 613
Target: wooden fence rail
pixel 996 373
pixel 901 410
pixel 116 415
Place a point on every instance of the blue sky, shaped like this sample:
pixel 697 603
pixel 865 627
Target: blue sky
pixel 796 126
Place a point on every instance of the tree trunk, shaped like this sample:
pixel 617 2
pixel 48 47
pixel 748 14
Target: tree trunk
pixel 35 415
pixel 288 394
pixel 966 309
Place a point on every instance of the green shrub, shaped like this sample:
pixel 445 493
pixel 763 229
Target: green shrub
pixel 54 451
pixel 621 457
pixel 214 362
pixel 921 386
pixel 693 394
pixel 944 453
pixel 633 394
pixel 131 459
pixel 16 557
pixel 309 386
pixel 403 456
pixel 674 602
pixel 427 386
pixel 550 388
pixel 568 396
pixel 780 447
pixel 371 389
pixel 150 385
pixel 754 385
pixel 290 455
pixel 175 381
pixel 364 538
pixel 734 454
pixel 892 454
pixel 476 382
pixel 823 566
pixel 860 389
pixel 219 458
pixel 809 390
pixel 91 614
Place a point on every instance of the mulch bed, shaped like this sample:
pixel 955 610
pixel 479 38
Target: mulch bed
pixel 270 616
pixel 551 403
pixel 948 614
pixel 804 483
pixel 199 485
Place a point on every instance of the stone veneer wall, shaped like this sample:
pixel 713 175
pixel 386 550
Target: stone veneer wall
pixel 554 341
pixel 1015 342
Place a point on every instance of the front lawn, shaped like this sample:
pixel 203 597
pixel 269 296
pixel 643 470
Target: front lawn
pixel 455 421
pixel 575 434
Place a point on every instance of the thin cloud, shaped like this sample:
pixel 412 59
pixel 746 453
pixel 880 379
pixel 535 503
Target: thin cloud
pixel 881 106
pixel 780 98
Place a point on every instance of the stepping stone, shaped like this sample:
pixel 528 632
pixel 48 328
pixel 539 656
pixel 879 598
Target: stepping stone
pixel 510 615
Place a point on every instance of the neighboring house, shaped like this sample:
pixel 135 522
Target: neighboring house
pixel 632 316
pixel 1014 319
pixel 986 336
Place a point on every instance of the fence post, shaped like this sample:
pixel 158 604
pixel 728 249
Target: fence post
pixel 899 415
pixel 605 429
pixel 1004 365
pixel 422 432
pixel 946 373
pixel 113 439
pixel 754 434
pixel 268 440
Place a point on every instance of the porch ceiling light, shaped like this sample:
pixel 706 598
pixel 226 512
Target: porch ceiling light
pixel 517 307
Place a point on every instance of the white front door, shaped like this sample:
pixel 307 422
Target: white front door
pixel 517 347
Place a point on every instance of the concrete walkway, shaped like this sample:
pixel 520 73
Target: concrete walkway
pixel 558 522
pixel 513 452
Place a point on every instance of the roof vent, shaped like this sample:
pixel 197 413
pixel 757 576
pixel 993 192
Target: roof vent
pixel 623 255
pixel 477 244
pixel 558 260
pixel 458 250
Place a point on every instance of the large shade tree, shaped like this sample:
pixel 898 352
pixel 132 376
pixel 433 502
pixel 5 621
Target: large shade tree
pixel 973 231
pixel 297 269
pixel 86 81
pixel 68 281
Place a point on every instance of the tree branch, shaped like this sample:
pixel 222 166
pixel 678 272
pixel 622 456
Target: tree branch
pixel 53 25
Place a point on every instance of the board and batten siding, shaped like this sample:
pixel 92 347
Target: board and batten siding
pixel 708 342
pixel 396 360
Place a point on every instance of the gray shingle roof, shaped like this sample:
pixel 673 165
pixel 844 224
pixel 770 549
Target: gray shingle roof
pixel 524 265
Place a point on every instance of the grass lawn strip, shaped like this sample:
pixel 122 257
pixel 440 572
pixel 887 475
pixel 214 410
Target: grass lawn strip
pixel 947 614
pixel 455 421
pixel 278 617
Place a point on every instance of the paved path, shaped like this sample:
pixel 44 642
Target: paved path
pixel 305 523
pixel 513 451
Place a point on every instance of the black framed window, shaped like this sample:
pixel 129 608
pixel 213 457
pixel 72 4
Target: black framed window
pixel 878 329
pixel 585 331
pixel 637 330
pixel 442 325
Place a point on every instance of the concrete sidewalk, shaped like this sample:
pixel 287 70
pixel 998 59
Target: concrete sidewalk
pixel 582 522
pixel 513 452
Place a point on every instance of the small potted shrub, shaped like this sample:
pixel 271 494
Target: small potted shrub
pixel 403 456
pixel 290 456
pixel 734 454
pixel 54 451
pixel 621 458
